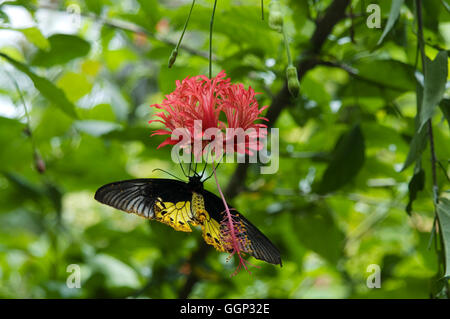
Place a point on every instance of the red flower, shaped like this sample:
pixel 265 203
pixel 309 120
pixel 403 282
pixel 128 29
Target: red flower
pixel 241 107
pixel 201 99
pixel 242 110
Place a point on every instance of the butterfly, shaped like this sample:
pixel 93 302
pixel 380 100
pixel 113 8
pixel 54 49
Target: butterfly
pixel 181 205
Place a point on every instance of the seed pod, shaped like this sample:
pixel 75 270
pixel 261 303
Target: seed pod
pixel 292 79
pixel 275 16
pixel 173 57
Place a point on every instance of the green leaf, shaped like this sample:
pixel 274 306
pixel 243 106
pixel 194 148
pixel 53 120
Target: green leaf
pixel 431 12
pixel 347 159
pixel 74 85
pixel 55 195
pixel 91 67
pixel 45 87
pixel 78 175
pixel 389 73
pixel 393 16
pixel 168 77
pixel 3 17
pixel 151 11
pixel 315 91
pixel 14 154
pixel 96 6
pixel 102 112
pixel 63 48
pixel 310 229
pixel 446 5
pixel 416 185
pixel 115 59
pixel 380 78
pixel 434 85
pixel 230 25
pixel 443 211
pixel 419 140
pixel 445 108
pixel 416 147
pixel 26 188
pixel 35 36
pixel 118 273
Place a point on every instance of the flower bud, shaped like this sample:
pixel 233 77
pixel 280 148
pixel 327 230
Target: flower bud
pixel 173 57
pixel 292 79
pixel 39 163
pixel 275 16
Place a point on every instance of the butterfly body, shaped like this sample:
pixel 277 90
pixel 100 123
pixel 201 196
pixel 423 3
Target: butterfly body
pixel 181 205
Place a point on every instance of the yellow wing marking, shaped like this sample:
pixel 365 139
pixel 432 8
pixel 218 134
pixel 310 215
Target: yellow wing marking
pixel 210 227
pixel 176 215
pixel 180 214
pixel 211 233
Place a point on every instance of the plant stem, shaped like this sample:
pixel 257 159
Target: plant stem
pixel 211 23
pixel 262 9
pixel 286 45
pixel 433 164
pixel 185 26
pixel 27 114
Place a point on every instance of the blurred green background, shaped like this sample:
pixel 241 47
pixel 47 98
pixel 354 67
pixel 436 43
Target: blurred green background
pixel 336 205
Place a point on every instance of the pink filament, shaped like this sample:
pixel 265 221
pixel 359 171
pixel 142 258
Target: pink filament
pixel 234 242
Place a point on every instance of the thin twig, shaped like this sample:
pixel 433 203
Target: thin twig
pixel 352 25
pixel 286 45
pixel 262 10
pixel 353 73
pixel 211 25
pixel 443 170
pixel 185 25
pixel 37 159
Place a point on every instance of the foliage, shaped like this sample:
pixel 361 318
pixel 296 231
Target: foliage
pixel 346 195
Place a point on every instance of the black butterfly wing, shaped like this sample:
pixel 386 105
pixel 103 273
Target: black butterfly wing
pixel 259 246
pixel 166 200
pixel 170 202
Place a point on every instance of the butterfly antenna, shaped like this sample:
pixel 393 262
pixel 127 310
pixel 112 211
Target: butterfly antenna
pixel 190 163
pixel 159 169
pixel 204 168
pixel 195 160
pixel 218 163
pixel 206 163
pixel 181 164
